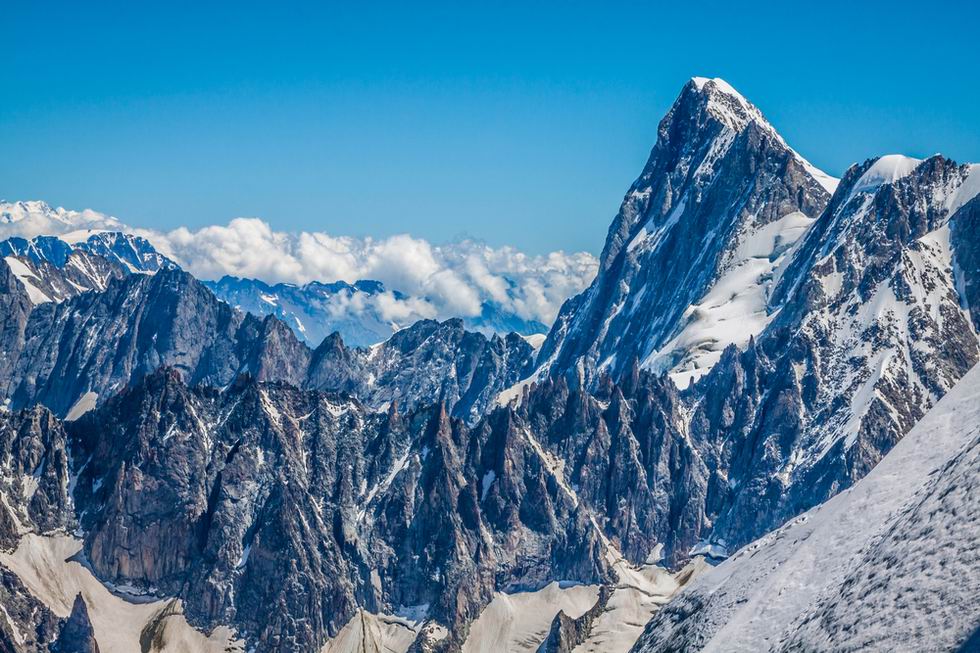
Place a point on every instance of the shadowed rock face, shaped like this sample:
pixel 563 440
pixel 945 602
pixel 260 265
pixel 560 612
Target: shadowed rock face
pixel 34 484
pixel 15 307
pixel 28 625
pixel 566 632
pixel 870 334
pixel 77 635
pixel 888 565
pixel 965 225
pixel 869 326
pixel 35 477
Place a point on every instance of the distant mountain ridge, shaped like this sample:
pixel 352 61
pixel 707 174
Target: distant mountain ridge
pixel 75 354
pixel 354 310
pixel 53 269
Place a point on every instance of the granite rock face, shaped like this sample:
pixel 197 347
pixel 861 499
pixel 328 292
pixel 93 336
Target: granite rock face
pixel 752 346
pixel 889 565
pixel 35 478
pixel 964 226
pixel 870 333
pixel 566 632
pixel 281 511
pixel 35 496
pixel 814 330
pixel 76 635
pixel 27 626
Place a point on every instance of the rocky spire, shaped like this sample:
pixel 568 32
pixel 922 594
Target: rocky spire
pixel 77 635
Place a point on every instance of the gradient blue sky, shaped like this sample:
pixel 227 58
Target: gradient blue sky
pixel 514 123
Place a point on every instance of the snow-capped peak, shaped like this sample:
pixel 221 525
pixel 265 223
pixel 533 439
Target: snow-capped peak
pixel 886 170
pixel 736 112
pixel 28 219
pixel 718 84
pixel 726 104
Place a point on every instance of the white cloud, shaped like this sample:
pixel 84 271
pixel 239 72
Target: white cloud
pixel 440 281
pixel 30 219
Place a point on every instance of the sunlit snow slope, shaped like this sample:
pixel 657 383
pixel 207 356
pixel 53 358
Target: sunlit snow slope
pixel 890 564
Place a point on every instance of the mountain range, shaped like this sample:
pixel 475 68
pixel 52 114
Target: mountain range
pixel 755 430
pixel 54 268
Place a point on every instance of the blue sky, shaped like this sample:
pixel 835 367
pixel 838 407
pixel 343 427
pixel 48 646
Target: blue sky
pixel 516 123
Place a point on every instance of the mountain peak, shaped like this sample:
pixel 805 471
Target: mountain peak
pixel 718 85
pixel 721 190
pixel 721 101
pixel 886 169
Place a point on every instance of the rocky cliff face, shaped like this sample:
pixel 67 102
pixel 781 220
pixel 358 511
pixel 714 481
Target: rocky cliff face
pixel 35 496
pixel 35 477
pixel 280 510
pixel 430 361
pixel 868 332
pixel 871 333
pixel 888 565
pixel 76 635
pixel 74 354
pixel 816 337
pixel 26 624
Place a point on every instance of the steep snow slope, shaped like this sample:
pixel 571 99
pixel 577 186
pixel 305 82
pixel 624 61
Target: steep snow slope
pixel 890 564
pixel 874 295
pixel 736 308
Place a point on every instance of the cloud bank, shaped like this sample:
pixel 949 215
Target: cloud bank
pixel 440 281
